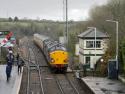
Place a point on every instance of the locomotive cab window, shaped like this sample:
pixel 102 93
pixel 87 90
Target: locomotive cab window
pixel 52 49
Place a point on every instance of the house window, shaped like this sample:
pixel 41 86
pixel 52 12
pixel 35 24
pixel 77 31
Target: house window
pixel 98 44
pixel 87 60
pixel 91 44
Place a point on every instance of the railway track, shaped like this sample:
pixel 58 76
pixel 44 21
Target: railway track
pixel 65 84
pixel 56 78
pixel 40 80
pixel 49 83
pixel 35 83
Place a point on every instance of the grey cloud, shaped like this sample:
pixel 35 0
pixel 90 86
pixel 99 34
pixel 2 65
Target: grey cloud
pixel 42 8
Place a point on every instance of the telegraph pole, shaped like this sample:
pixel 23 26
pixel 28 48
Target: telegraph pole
pixel 67 24
pixel 65 18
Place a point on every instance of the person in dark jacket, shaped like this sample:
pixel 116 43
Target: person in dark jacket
pixel 10 60
pixel 8 71
pixel 17 57
pixel 20 63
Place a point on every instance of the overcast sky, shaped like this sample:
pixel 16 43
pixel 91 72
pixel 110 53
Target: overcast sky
pixel 47 9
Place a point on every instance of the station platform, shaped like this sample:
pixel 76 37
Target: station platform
pixel 100 85
pixel 13 86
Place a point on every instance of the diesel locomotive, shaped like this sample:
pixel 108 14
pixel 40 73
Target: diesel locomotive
pixel 55 53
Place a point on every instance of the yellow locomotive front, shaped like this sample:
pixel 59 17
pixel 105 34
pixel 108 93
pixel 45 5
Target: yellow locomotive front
pixel 59 60
pixel 57 56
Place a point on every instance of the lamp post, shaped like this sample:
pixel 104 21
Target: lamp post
pixel 116 22
pixel 94 43
pixel 65 18
pixel 67 21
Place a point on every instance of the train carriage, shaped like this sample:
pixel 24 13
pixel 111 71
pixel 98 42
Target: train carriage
pixel 39 40
pixel 55 52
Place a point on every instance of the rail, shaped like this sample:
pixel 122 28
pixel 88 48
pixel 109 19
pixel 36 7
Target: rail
pixel 41 82
pixel 32 64
pixel 70 83
pixel 59 85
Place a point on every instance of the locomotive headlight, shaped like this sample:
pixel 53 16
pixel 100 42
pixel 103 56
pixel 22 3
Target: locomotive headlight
pixel 52 60
pixel 65 60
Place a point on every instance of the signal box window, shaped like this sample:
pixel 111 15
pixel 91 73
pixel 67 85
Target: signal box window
pixel 98 44
pixel 91 44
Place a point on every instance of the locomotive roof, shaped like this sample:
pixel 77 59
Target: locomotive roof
pixel 47 41
pixel 57 46
pixel 50 44
pixel 53 44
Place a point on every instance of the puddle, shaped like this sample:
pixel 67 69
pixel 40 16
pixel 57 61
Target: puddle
pixel 111 83
pixel 48 78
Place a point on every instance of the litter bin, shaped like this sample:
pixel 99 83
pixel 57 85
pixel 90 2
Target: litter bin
pixel 112 71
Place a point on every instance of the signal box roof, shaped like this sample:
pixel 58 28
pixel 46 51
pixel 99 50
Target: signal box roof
pixel 90 34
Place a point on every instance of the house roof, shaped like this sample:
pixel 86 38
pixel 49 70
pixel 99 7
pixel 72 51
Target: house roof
pixel 90 33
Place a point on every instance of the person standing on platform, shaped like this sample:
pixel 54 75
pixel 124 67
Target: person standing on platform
pixel 10 60
pixel 8 71
pixel 20 63
pixel 17 57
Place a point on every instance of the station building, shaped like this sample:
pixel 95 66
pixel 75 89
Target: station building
pixel 89 53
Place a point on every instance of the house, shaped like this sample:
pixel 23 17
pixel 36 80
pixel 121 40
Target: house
pixel 89 53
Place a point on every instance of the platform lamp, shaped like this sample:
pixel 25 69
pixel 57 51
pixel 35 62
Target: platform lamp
pixel 94 43
pixel 117 24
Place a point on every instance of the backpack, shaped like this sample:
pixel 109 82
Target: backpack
pixel 10 58
pixel 20 62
